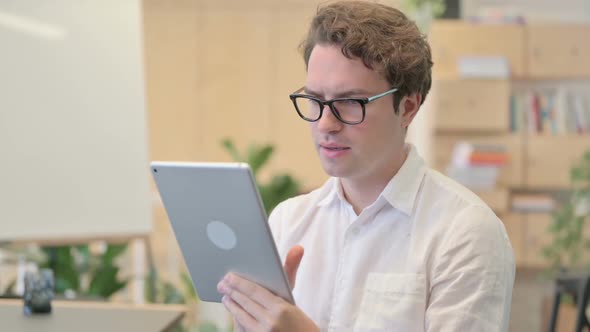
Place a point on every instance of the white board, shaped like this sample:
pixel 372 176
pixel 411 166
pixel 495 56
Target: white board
pixel 73 146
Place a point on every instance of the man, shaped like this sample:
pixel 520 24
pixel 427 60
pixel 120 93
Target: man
pixel 390 244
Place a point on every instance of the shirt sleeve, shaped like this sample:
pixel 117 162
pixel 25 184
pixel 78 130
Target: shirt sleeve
pixel 472 276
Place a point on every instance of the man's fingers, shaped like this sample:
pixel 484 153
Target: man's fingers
pixel 243 318
pixel 292 263
pixel 250 289
pixel 258 312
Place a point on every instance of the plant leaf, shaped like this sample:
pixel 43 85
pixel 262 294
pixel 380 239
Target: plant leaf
pixel 259 156
pixel 188 286
pixel 104 283
pixel 171 294
pixel 112 252
pixel 229 146
pixel 65 270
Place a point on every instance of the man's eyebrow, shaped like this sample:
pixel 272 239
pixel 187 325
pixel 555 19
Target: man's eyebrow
pixel 310 92
pixel 341 94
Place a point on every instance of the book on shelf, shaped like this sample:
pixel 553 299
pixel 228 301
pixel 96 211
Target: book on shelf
pixel 554 111
pixel 581 114
pixel 540 203
pixel 483 67
pixel 486 158
pixel 480 178
pixel 467 154
pixel 477 165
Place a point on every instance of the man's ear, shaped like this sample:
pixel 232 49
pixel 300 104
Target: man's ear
pixel 411 105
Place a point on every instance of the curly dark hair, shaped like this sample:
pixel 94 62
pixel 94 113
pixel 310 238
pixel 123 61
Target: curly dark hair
pixel 381 36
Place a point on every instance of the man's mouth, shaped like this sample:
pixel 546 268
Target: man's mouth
pixel 334 147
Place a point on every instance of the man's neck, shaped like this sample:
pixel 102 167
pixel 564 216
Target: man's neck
pixel 363 191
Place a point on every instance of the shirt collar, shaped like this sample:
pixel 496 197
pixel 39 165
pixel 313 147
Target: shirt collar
pixel 402 189
pixel 333 191
pixel 400 192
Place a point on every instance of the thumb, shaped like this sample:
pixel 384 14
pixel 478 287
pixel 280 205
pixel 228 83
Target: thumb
pixel 292 263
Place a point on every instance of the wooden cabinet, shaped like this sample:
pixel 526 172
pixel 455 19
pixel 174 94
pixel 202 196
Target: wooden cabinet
pixel 452 39
pixel 497 200
pixel 536 237
pixel 515 228
pixel 537 51
pixel 529 234
pixel 472 105
pixel 549 159
pixel 558 51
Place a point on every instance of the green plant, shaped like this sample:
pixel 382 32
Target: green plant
pixel 158 290
pixel 436 7
pixel 423 11
pixel 72 265
pixel 280 187
pixel 567 227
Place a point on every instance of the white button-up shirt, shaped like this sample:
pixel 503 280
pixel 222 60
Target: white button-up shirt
pixel 427 255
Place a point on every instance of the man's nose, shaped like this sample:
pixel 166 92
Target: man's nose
pixel 328 122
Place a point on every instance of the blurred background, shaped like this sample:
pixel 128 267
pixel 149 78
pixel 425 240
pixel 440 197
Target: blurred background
pixel 91 91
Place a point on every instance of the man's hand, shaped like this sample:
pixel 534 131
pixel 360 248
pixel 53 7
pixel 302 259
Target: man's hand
pixel 292 264
pixel 254 308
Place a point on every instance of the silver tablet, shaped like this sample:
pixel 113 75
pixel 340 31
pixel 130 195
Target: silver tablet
pixel 220 225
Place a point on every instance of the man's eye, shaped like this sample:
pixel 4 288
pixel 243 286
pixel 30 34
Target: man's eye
pixel 349 101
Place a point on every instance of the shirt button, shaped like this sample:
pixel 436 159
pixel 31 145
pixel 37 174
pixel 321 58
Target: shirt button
pixel 355 231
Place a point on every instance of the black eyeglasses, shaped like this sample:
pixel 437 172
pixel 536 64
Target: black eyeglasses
pixel 348 110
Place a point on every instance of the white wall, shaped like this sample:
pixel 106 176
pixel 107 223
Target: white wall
pixel 73 148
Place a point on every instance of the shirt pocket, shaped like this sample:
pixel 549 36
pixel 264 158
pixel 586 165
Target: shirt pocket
pixel 392 302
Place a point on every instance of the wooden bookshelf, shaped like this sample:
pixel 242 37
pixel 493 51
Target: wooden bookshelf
pixel 481 111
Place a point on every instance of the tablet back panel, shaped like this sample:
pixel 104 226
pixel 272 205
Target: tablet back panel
pixel 220 225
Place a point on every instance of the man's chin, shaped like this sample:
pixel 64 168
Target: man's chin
pixel 335 170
